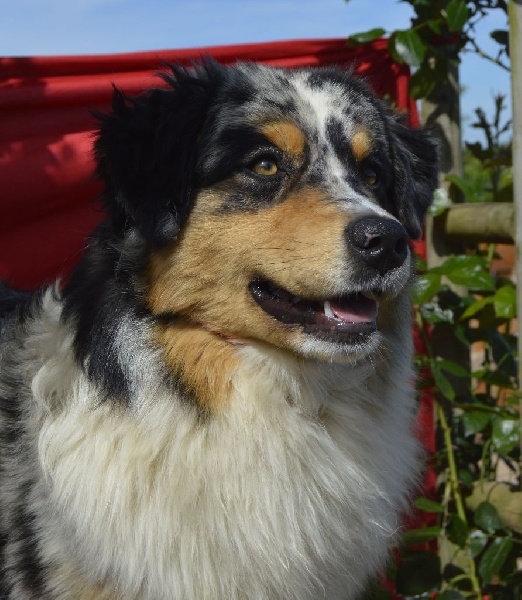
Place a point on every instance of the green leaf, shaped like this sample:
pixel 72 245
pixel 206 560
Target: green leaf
pixel 474 308
pixel 457 13
pixel 406 46
pixel 475 421
pixel 501 36
pixel 442 383
pixel 435 25
pixel 486 517
pixel 426 286
pixel 505 435
pixel 477 541
pixel 465 476
pixel 503 351
pixel 470 271
pixel 505 302
pixel 419 536
pixel 427 505
pixel 458 531
pixel 364 37
pixel 460 333
pixel 494 557
pixel 422 83
pixel 476 148
pixel 418 573
pixel 475 278
pixel 453 368
pixel 467 187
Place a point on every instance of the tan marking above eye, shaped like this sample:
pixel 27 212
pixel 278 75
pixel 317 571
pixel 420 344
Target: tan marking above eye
pixel 265 166
pixel 361 145
pixel 286 136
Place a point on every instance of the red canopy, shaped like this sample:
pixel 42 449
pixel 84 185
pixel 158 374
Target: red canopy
pixel 47 192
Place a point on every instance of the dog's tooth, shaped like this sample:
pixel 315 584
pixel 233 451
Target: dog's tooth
pixel 328 309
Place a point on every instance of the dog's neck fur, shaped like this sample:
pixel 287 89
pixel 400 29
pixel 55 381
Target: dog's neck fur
pixel 213 501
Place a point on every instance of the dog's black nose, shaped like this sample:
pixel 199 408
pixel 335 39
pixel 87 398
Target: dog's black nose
pixel 380 242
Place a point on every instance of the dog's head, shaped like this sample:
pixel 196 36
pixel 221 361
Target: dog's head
pixel 274 204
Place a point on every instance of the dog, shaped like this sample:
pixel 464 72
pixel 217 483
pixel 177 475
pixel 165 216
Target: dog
pixel 219 402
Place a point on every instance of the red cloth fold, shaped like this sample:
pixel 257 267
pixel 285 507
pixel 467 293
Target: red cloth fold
pixel 47 191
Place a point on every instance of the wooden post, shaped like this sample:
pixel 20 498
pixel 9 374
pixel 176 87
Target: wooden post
pixel 441 114
pixel 473 223
pixel 515 44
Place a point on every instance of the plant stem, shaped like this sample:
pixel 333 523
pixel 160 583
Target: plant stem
pixel 454 483
pixel 454 478
pixel 482 54
pixel 452 464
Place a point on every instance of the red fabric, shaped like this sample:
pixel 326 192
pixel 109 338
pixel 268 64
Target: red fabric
pixel 47 193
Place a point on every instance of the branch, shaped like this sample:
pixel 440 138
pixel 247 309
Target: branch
pixel 486 56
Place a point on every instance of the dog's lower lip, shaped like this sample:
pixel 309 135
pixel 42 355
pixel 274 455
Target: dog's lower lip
pixel 352 315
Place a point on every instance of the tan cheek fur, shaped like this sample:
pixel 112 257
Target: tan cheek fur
pixel 204 277
pixel 204 361
pixel 298 244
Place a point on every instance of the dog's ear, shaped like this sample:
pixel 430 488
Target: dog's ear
pixel 415 165
pixel 146 153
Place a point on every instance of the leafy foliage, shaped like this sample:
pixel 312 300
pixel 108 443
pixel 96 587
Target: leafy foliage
pixel 440 31
pixel 488 175
pixel 479 431
pixel 469 541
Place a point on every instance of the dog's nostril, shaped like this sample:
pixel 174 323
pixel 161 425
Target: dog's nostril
pixel 380 242
pixel 372 242
pixel 402 246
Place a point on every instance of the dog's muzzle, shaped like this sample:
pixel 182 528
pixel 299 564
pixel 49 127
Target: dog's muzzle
pixel 381 245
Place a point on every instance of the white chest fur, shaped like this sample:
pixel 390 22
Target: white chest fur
pixel 293 492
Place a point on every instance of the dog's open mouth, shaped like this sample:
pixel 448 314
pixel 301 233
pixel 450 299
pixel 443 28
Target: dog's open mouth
pixel 336 319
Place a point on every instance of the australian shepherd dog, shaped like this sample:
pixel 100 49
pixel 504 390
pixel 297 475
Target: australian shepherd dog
pixel 219 403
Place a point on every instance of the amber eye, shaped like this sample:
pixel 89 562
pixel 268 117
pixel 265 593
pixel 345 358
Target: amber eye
pixel 370 176
pixel 265 166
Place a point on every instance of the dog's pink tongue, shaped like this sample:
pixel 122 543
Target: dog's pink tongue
pixel 357 309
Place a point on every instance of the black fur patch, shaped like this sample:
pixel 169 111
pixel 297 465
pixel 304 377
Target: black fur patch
pixel 11 299
pixel 99 296
pixel 136 138
pixel 415 160
pixel 33 572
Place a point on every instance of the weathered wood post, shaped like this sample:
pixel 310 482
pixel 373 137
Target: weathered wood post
pixel 441 114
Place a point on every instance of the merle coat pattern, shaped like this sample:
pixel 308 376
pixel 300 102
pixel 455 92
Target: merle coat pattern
pixel 219 403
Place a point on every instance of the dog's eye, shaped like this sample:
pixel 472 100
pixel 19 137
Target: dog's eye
pixel 264 166
pixel 370 176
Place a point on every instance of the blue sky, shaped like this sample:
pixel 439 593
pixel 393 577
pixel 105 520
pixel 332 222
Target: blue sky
pixel 50 27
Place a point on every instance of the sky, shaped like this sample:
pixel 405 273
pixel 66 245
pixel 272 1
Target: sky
pixel 61 27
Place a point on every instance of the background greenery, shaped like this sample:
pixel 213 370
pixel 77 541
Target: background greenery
pixel 469 544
